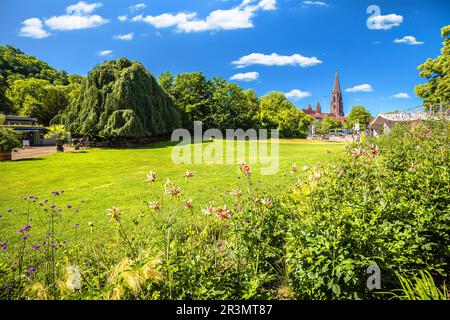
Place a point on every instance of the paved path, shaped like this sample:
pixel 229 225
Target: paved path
pixel 35 152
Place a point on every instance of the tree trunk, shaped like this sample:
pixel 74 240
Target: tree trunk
pixel 60 145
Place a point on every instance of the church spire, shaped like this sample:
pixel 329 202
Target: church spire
pixel 336 106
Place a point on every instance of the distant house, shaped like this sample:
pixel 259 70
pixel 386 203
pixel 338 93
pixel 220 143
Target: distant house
pixel 28 130
pixel 384 122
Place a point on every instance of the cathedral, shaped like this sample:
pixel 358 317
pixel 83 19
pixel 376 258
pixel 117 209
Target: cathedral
pixel 336 105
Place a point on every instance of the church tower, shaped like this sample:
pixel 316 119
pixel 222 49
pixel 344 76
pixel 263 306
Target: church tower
pixel 336 106
pixel 318 108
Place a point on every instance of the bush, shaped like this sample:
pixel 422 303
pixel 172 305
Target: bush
pixel 8 140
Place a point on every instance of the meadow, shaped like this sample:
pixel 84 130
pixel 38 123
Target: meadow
pixel 105 177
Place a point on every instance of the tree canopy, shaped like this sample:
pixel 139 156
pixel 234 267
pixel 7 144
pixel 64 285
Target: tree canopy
pixel 120 98
pixel 358 114
pixel 437 72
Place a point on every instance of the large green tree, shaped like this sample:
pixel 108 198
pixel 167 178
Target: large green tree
pixel 437 71
pixel 120 98
pixel 358 114
pixel 277 112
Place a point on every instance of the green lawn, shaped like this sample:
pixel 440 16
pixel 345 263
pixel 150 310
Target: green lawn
pixel 117 177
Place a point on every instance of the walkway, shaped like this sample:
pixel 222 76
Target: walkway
pixel 36 152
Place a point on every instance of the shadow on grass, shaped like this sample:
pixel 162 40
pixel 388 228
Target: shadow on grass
pixel 27 159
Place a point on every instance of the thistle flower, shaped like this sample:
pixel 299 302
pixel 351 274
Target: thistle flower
pixel 154 205
pixel 209 210
pixel 4 246
pixel 45 200
pixel 294 168
pixel 53 206
pixel 266 202
pixel 236 193
pixel 36 246
pixel 358 152
pixel 245 169
pixel 223 212
pixel 26 228
pixel 188 204
pixel 151 176
pixel 189 174
pixel 115 214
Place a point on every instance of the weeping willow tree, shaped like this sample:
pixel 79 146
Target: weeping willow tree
pixel 120 99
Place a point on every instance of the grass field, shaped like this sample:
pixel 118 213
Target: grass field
pixel 104 178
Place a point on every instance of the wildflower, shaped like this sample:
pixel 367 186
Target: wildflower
pixel 266 202
pixel 115 214
pixel 247 220
pixel 90 224
pixel 26 228
pixel 53 206
pixel 245 169
pixel 62 191
pixel 4 246
pixel 41 204
pixel 189 174
pixel 45 200
pixel 1 215
pixel 76 225
pixel 166 186
pixel 209 210
pixel 236 193
pixel 188 204
pixel 373 150
pixel 76 210
pixel 82 201
pixel 24 237
pixel 305 168
pixel 224 212
pixel 154 205
pixel 36 246
pixel 294 168
pixel 73 278
pixel 69 206
pixel 30 272
pixel 151 176
pixel 358 152
pixel 9 210
pixel 55 193
pixel 175 191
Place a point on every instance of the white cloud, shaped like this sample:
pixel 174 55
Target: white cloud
pixel 103 53
pixel 401 95
pixel 248 76
pixel 75 22
pixel 124 37
pixel 297 94
pixel 275 59
pixel 408 40
pixel 83 7
pixel 239 17
pixel 122 18
pixel 316 3
pixel 33 28
pixel 380 22
pixel 360 88
pixel 137 7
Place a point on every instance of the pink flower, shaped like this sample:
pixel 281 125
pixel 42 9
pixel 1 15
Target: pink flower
pixel 154 205
pixel 266 202
pixel 374 150
pixel 358 152
pixel 236 193
pixel 245 169
pixel 223 213
pixel 189 174
pixel 188 204
pixel 151 176
pixel 209 210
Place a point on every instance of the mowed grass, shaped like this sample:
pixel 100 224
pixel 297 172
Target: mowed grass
pixel 104 178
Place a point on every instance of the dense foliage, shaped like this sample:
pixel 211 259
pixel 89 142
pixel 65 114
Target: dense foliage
pixel 358 114
pixel 437 71
pixel 8 140
pixel 384 204
pixel 120 99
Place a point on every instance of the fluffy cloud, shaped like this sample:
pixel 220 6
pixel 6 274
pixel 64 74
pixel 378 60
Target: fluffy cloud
pixel 33 28
pixel 74 22
pixel 315 3
pixel 401 95
pixel 360 88
pixel 124 37
pixel 275 59
pixel 248 76
pixel 297 94
pixel 137 7
pixel 408 40
pixel 78 17
pixel 239 17
pixel 103 53
pixel 122 18
pixel 83 7
pixel 380 22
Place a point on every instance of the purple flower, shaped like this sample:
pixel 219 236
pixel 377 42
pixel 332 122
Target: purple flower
pixel 25 237
pixel 76 225
pixel 4 246
pixel 27 227
pixel 41 204
pixel 52 244
pixel 1 215
pixel 9 210
pixel 62 191
pixel 60 215
pixel 59 210
pixel 53 206
pixel 36 246
pixel 45 200
pixel 44 243
pixel 30 272
pixel 55 193
pixel 30 197
pixel 76 210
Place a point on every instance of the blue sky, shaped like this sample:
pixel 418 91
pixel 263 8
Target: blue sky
pixel 293 46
